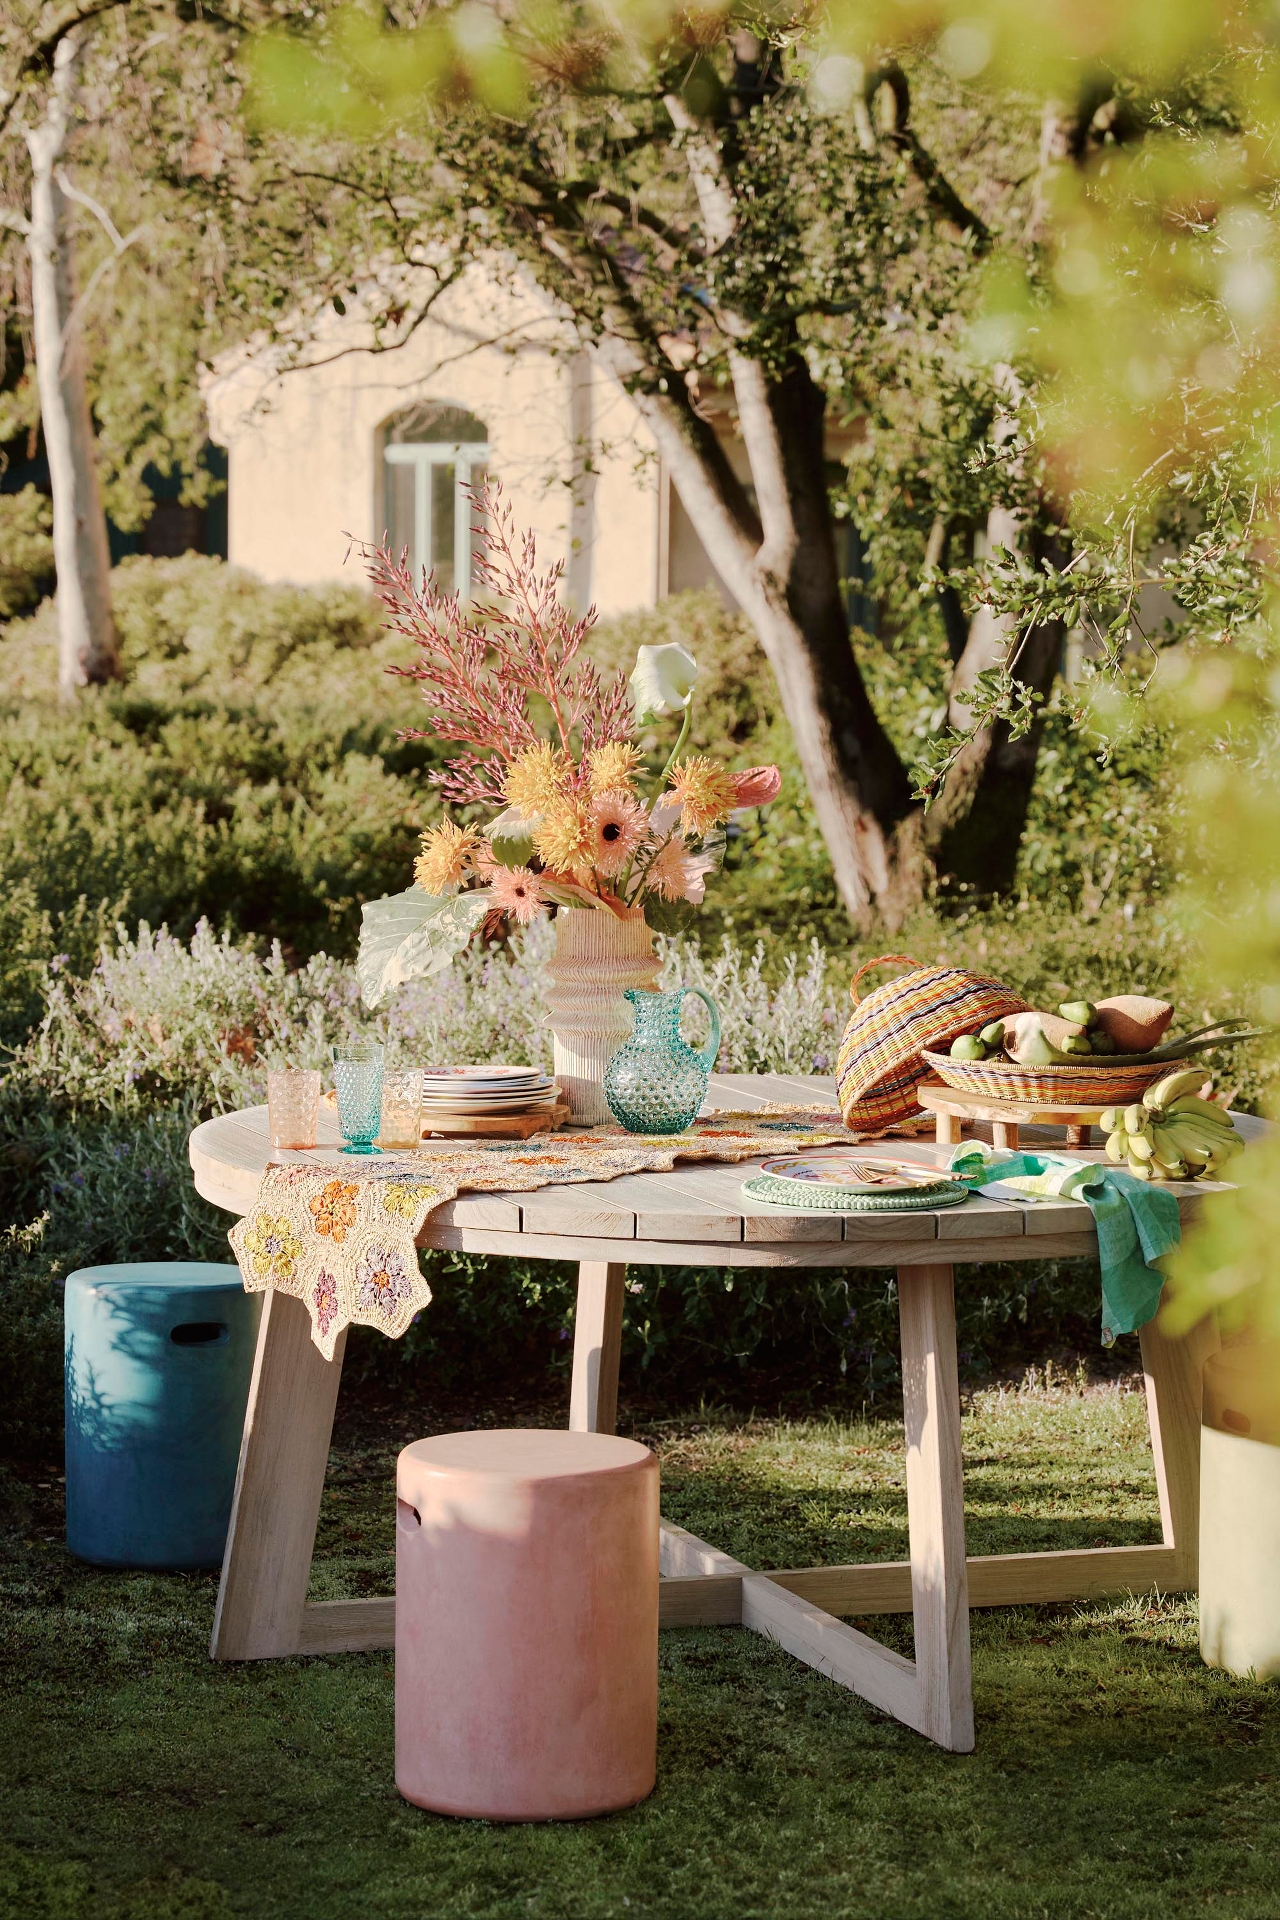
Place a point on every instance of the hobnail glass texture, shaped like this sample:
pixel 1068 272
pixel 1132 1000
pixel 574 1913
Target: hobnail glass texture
pixel 293 1106
pixel 357 1080
pixel 401 1108
pixel 656 1082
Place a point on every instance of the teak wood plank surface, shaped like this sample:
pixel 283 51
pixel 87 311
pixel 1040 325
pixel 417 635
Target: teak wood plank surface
pixel 667 1209
pixel 695 1214
pixel 593 1210
pixel 859 1251
pixel 980 1219
pixel 496 1210
pixel 750 1091
pixel 721 1186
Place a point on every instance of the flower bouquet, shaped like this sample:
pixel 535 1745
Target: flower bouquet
pixel 577 821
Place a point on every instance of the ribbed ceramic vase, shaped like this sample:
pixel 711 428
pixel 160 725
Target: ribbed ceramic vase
pixel 597 958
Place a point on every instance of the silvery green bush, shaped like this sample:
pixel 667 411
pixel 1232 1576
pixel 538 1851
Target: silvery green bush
pixel 162 1021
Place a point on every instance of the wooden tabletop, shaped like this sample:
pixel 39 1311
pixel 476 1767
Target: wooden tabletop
pixel 696 1215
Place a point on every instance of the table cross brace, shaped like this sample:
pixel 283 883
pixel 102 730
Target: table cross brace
pixel 263 1612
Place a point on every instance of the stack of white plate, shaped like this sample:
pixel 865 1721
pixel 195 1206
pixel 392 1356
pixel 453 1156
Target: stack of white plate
pixel 468 1093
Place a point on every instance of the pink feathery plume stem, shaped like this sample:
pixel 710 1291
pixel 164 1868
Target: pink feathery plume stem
pixel 478 666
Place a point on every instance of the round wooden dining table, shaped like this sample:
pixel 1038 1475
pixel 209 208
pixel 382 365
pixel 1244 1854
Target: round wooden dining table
pixel 698 1216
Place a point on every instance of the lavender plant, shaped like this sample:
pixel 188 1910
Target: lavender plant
pixel 161 1021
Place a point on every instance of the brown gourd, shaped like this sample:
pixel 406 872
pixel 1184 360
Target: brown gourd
pixel 1134 1022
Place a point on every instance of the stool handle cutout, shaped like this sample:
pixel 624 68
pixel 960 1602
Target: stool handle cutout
pixel 201 1333
pixel 407 1516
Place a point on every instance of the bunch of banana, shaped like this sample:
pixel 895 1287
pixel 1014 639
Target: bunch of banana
pixel 1174 1134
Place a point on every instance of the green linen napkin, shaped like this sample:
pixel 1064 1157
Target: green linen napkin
pixel 1137 1223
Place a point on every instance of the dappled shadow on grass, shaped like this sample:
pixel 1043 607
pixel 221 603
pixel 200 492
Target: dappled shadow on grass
pixel 1114 1775
pixel 1060 1467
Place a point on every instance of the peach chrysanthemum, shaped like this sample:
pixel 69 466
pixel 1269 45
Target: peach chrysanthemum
pixel 611 766
pixel 618 827
pixel 706 792
pixel 447 856
pixel 538 778
pixel 676 874
pixel 564 840
pixel 517 892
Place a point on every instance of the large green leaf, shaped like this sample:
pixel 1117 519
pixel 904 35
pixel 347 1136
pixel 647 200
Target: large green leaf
pixel 408 936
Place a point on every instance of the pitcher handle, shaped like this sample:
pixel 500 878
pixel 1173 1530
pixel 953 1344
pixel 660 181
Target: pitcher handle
pixel 707 1057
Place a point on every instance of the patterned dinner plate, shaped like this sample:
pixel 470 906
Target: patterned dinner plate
pixel 542 1103
pixel 483 1076
pixel 476 1100
pixel 854 1172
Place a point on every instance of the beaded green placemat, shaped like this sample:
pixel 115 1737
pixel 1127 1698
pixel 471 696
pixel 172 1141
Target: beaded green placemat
pixel 807 1196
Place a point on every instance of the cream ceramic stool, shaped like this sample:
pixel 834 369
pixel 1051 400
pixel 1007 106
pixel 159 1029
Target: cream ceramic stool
pixel 1240 1511
pixel 526 1624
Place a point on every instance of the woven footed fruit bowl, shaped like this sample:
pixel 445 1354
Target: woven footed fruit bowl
pixel 1092 1084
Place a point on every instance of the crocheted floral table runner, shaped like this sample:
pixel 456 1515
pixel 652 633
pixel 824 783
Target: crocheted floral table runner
pixel 340 1234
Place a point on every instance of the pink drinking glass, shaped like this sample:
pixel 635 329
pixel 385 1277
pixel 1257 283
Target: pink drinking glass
pixel 293 1106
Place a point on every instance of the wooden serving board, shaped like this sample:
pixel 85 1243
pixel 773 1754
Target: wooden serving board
pixel 954 1108
pixel 498 1126
pixel 509 1126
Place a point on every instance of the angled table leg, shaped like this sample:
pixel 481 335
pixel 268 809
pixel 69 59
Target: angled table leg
pixel 1172 1369
pixel 283 1456
pixel 597 1347
pixel 934 1693
pixel 935 1505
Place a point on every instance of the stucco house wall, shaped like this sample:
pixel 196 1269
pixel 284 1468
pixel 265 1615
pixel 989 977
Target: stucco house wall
pixel 305 443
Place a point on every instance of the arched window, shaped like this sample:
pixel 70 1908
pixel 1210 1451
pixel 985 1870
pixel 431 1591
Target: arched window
pixel 430 453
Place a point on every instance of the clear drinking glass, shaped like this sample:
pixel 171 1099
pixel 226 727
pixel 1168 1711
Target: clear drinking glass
pixel 357 1079
pixel 401 1108
pixel 293 1106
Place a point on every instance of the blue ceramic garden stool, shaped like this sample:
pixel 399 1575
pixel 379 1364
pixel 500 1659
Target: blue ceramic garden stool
pixel 158 1359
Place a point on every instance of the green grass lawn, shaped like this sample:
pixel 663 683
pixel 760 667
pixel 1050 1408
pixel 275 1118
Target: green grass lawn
pixel 1114 1774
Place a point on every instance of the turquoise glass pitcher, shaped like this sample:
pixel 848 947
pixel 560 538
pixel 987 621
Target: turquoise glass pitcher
pixel 656 1082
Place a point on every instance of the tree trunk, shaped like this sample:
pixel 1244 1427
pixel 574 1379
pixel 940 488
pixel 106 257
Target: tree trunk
pixel 87 650
pixel 973 831
pixel 860 793
pixel 883 845
pixel 976 837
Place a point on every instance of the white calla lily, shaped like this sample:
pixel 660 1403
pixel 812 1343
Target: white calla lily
pixel 662 680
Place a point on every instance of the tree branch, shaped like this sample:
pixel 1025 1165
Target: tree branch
pixel 55 23
pixel 755 418
pixel 901 134
pixel 119 246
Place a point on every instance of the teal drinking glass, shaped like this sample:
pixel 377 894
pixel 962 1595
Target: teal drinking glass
pixel 357 1079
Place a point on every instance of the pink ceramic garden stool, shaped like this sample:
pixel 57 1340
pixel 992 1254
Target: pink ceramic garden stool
pixel 526 1624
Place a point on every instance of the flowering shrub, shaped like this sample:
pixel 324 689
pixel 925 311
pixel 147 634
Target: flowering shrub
pixel 162 1021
